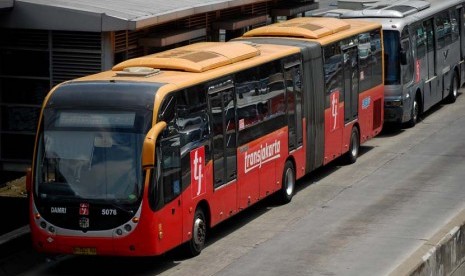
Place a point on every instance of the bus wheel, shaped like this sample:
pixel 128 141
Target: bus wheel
pixel 454 89
pixel 199 233
pixel 352 154
pixel 415 113
pixel 288 188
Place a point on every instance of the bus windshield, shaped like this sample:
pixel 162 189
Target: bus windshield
pixel 391 53
pixel 92 155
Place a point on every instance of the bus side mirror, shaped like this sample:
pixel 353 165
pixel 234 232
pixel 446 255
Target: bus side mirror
pixel 28 181
pixel 403 57
pixel 148 149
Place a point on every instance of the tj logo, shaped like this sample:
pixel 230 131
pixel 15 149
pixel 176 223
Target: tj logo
pixel 334 102
pixel 197 168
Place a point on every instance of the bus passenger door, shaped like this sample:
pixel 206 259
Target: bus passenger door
pixel 223 127
pixel 462 44
pixel 443 52
pixel 294 104
pixel 168 192
pixel 351 78
pixel 431 79
pixel 334 103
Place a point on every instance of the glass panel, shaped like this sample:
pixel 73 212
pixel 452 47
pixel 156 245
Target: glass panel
pixel 90 155
pixel 230 134
pixel 443 29
pixel 429 35
pixel 391 52
pixel 369 52
pixel 291 107
pixel 218 138
pixel 91 164
pixel 170 168
pixel 454 22
pixel 333 68
pixel 407 69
pixel 247 91
pixel 420 41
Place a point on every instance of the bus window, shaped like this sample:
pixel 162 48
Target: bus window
pixel 247 93
pixel 260 101
pixel 170 168
pixel 420 41
pixel 454 22
pixel 351 83
pixel 168 156
pixel 333 68
pixel 369 52
pixel 193 126
pixel 297 74
pixel 271 90
pixel 407 69
pixel 443 29
pixel 192 118
pixel 429 35
pixel 376 51
pixel 391 52
pixel 230 134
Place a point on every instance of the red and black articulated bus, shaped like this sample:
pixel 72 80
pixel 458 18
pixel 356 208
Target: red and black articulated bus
pixel 148 156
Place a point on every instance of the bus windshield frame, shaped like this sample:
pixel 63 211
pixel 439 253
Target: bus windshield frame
pixel 91 155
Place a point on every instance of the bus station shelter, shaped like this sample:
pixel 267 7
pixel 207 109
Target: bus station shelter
pixel 45 42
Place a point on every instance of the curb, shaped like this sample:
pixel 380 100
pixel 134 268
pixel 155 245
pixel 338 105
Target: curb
pixel 440 255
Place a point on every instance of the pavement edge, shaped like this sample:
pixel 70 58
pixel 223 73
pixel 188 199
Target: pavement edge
pixel 442 254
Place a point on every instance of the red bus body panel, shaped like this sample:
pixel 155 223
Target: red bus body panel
pixel 334 128
pixel 371 112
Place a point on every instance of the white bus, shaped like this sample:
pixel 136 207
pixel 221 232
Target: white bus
pixel 424 46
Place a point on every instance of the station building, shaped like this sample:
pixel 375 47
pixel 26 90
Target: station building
pixel 45 42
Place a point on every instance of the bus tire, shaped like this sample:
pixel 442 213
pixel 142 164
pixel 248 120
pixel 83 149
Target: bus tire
pixel 454 89
pixel 288 185
pixel 199 234
pixel 354 147
pixel 415 114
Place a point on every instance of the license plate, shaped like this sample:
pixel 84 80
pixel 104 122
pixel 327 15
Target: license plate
pixel 85 250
